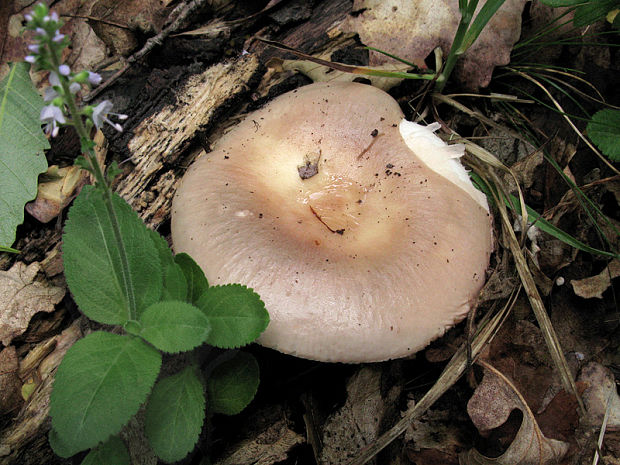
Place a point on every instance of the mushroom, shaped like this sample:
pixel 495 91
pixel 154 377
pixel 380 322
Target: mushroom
pixel 360 230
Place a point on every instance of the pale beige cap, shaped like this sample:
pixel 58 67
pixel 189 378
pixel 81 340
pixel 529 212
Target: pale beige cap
pixel 325 204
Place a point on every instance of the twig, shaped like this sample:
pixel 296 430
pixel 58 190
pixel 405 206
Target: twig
pixel 150 44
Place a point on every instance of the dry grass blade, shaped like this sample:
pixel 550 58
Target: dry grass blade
pixel 601 434
pixel 565 116
pixel 551 339
pixel 346 68
pixel 487 329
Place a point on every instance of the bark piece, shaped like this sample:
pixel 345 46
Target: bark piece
pixel 30 423
pixel 160 139
pixel 21 296
pixel 265 446
pixel 10 385
pixel 357 424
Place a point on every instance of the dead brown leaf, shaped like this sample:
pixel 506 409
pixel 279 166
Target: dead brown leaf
pixel 414 29
pixel 21 296
pixel 490 406
pixel 594 286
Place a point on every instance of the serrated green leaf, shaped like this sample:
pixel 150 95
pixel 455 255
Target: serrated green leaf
pixel 22 143
pixel 110 282
pixel 196 280
pixel 174 326
pixel 604 130
pixel 100 384
pixel 174 415
pixel 61 448
pixel 111 452
pixel 175 284
pixel 236 313
pixel 163 251
pixel 233 384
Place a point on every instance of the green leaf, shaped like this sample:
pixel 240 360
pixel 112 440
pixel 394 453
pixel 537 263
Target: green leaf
pixel 479 23
pixel 195 278
pixel 174 326
pixel 236 313
pixel 111 281
pixel 21 148
pixel 593 10
pixel 561 3
pixel 175 284
pixel 60 447
pixel 604 130
pixel 174 415
pixel 233 384
pixel 111 452
pixel 100 384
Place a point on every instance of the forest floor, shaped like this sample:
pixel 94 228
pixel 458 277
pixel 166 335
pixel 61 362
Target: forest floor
pixel 182 94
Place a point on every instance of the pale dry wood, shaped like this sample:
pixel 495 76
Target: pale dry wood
pixel 160 139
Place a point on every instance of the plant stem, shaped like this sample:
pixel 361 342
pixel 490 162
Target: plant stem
pixel 101 182
pixel 455 51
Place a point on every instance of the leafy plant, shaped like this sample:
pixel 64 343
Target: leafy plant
pixel 21 149
pixel 604 130
pixel 121 273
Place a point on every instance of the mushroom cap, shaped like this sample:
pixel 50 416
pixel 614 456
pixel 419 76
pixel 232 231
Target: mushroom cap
pixel 360 250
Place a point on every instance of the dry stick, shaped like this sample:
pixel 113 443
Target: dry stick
pixel 450 375
pixel 565 116
pixel 150 44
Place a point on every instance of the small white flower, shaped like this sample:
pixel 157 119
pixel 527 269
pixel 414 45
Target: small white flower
pixel 64 70
pixel 49 94
pixel 40 31
pixel 100 116
pixel 28 17
pixel 51 115
pixel 54 16
pixel 74 87
pixel 94 78
pixel 58 37
pixel 30 59
pixel 34 48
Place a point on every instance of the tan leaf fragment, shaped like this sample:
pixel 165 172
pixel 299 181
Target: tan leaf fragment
pixel 490 407
pixel 600 394
pixel 21 296
pixel 412 29
pixel 594 286
pixel 55 191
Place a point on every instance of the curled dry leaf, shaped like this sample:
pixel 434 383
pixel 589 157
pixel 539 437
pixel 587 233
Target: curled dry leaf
pixel 594 286
pixel 416 28
pixel 490 407
pixel 55 191
pixel 21 296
